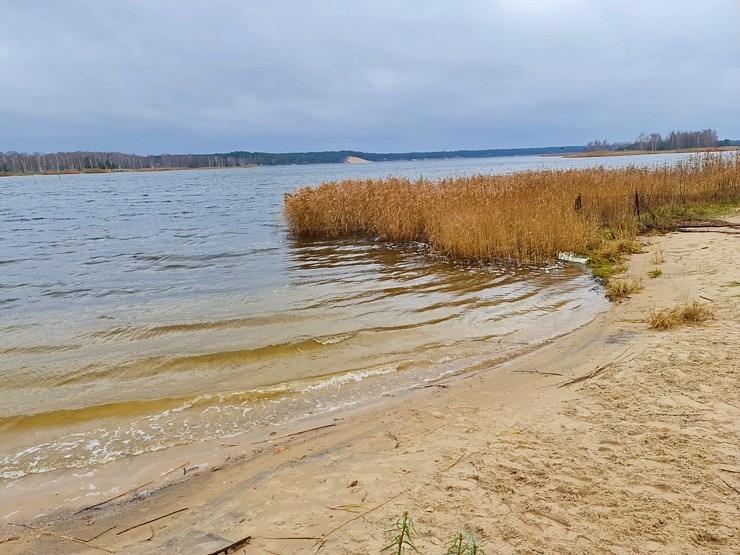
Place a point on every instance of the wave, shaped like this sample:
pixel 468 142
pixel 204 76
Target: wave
pixel 100 434
pixel 138 333
pixel 38 349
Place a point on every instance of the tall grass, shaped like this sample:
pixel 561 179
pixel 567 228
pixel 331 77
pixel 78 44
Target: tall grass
pixel 527 216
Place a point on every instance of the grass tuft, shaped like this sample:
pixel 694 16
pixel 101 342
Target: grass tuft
pixel 657 256
pixel 690 312
pixel 620 288
pixel 656 273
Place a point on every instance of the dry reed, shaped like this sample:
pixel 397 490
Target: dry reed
pixel 619 288
pixel 690 312
pixel 527 216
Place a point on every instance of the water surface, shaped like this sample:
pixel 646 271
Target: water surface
pixel 144 310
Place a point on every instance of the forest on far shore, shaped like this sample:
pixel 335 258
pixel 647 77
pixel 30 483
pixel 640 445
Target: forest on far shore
pixel 675 140
pixel 22 163
pixel 13 163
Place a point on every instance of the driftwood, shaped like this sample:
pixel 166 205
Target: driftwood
pixel 150 521
pixel 133 489
pixel 596 371
pixel 718 223
pixel 289 537
pixel 689 230
pixel 294 433
pixel 535 371
pixel 588 376
pixel 708 227
pixel 232 546
pixel 62 536
pixel 125 493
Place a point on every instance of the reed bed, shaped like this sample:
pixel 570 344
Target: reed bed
pixel 527 216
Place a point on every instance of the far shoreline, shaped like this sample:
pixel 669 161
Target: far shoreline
pixel 359 160
pixel 607 153
pixel 140 170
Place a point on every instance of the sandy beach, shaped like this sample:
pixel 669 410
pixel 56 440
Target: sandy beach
pixel 614 439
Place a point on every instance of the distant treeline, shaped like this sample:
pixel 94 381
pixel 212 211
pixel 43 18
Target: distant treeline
pixel 675 140
pixel 17 162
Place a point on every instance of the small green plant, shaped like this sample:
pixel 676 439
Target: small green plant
pixel 734 284
pixel 457 546
pixel 464 544
pixel 657 272
pixel 619 288
pixel 400 535
pixel 474 546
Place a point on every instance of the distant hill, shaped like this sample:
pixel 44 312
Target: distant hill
pixel 16 162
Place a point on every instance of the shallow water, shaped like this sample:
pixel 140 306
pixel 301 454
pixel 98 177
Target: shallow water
pixel 141 311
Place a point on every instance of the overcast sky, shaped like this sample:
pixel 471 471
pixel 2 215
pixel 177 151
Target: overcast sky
pixel 182 76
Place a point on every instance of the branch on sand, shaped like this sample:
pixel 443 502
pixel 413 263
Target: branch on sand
pixel 232 547
pixel 596 371
pixel 61 536
pixel 150 521
pixel 294 433
pixel 132 490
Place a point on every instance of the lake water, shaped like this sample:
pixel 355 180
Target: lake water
pixel 144 310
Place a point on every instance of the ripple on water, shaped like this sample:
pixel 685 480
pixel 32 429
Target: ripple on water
pixel 142 311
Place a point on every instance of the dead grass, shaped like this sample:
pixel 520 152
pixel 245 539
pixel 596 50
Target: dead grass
pixel 657 256
pixel 690 312
pixel 527 216
pixel 619 288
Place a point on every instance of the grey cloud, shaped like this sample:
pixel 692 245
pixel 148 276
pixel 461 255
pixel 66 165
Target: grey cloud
pixel 289 75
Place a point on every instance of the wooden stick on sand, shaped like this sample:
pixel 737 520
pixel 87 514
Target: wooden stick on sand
pixel 62 536
pixel 150 521
pixel 294 433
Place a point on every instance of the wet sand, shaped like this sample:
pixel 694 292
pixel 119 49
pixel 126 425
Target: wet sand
pixel 643 456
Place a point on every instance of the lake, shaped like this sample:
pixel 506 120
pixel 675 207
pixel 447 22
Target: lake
pixel 140 311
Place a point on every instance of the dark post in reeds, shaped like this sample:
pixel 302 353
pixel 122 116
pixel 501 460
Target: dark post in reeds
pixel 578 203
pixel 637 204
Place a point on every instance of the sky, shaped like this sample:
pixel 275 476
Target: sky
pixel 186 76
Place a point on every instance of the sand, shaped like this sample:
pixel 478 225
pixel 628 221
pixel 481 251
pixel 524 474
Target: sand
pixel 642 457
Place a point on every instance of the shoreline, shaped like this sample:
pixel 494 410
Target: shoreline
pixel 607 153
pixel 358 160
pixel 140 170
pixel 609 464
